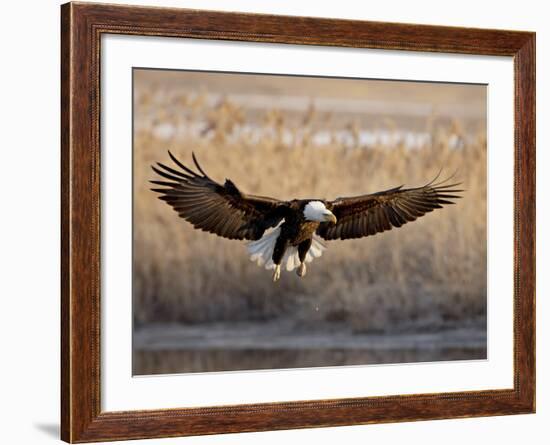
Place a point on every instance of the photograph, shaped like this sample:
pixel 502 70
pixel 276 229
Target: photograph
pixel 288 221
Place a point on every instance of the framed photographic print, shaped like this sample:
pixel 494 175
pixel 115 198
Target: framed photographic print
pixel 276 222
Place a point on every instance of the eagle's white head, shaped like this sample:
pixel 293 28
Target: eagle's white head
pixel 316 211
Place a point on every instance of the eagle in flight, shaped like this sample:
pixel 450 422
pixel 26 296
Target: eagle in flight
pixel 291 233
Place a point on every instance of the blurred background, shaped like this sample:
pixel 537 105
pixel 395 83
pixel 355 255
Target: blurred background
pixel 413 294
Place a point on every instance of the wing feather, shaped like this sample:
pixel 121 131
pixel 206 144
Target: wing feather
pixel 220 209
pixel 368 215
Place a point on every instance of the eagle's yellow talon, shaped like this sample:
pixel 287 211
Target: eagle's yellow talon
pixel 277 273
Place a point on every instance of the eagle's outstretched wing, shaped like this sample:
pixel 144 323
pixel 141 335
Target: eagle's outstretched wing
pixel 215 208
pixel 366 215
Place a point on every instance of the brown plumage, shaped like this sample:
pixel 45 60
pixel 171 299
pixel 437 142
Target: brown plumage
pixel 370 214
pixel 298 225
pixel 215 208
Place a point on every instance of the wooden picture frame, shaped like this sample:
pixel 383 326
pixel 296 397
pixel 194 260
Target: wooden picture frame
pixel 82 26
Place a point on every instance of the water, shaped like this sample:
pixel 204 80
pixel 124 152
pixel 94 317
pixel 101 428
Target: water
pixel 168 349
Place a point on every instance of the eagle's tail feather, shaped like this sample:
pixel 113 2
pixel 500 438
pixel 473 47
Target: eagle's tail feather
pixel 261 251
pixel 317 247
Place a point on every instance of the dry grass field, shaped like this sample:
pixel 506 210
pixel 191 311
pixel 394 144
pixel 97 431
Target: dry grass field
pixel 426 276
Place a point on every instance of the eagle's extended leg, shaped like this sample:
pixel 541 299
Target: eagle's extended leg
pixel 278 253
pixel 303 247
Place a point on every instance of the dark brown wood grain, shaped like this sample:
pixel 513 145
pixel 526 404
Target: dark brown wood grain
pixel 81 28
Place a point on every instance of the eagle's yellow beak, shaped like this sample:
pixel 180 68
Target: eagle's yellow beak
pixel 329 217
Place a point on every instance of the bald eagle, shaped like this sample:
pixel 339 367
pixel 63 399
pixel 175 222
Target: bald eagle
pixel 291 233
